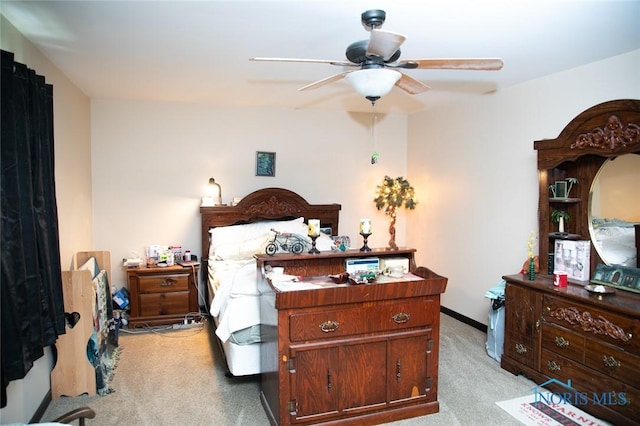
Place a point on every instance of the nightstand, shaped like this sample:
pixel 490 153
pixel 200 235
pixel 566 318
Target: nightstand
pixel 162 295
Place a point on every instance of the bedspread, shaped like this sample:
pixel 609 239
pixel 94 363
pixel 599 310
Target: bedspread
pixel 236 303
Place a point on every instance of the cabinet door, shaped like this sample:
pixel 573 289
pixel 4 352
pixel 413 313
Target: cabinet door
pixel 522 324
pixel 412 368
pixel 314 382
pixel 347 378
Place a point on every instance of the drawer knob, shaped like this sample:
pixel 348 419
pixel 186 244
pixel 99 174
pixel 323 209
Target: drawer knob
pixel 521 349
pixel 401 318
pixel 561 342
pixel 611 362
pixel 553 366
pixel 329 326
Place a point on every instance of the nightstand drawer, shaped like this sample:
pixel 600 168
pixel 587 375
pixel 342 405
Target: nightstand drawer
pixel 164 303
pixel 163 283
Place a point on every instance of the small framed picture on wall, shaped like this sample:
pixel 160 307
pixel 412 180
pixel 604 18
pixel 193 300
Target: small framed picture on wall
pixel 265 163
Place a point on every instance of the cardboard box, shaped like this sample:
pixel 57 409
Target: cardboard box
pixel 574 258
pixel 362 264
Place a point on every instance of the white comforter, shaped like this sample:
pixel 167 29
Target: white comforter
pixel 236 303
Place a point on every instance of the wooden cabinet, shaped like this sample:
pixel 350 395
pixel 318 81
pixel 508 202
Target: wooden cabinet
pixel 570 335
pixel 162 295
pixel 349 354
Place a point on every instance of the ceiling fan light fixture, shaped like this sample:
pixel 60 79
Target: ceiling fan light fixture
pixel 373 83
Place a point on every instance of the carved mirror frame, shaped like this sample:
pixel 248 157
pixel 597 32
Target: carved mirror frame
pixel 601 132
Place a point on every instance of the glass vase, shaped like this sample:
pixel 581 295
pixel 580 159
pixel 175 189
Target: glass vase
pixel 532 270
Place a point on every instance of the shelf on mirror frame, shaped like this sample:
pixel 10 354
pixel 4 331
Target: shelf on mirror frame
pixel 565 200
pixel 564 236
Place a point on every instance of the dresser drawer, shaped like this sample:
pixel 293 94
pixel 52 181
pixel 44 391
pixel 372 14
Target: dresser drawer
pixel 163 283
pixel 562 341
pixel 400 316
pixel 608 391
pixel 153 304
pixel 520 348
pixel 327 324
pixel 613 328
pixel 613 362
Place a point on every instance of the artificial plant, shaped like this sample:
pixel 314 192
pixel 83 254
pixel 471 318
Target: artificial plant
pixel 391 195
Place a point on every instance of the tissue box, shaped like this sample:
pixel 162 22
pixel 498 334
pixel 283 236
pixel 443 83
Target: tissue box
pixel 121 298
pixel 574 258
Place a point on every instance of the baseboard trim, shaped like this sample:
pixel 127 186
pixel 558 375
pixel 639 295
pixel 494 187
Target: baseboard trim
pixel 37 416
pixel 473 323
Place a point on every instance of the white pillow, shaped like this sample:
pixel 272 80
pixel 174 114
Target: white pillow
pixel 243 241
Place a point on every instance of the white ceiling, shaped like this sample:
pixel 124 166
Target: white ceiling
pixel 198 51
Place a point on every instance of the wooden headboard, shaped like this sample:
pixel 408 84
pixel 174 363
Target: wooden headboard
pixel 266 204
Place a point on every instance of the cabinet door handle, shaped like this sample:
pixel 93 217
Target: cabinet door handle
pixel 401 318
pixel 553 366
pixel 329 326
pixel 561 342
pixel 167 282
pixel 521 349
pixel 611 362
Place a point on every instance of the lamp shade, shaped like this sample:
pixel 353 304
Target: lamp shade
pixel 374 82
pixel 212 195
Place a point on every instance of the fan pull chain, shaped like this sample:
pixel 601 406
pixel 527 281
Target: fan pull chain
pixel 374 119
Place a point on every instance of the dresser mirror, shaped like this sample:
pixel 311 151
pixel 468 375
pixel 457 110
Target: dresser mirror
pixel 614 209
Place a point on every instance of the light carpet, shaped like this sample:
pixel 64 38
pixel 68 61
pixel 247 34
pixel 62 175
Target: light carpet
pixel 178 377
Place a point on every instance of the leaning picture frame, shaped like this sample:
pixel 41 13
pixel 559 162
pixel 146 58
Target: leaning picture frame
pixel 265 163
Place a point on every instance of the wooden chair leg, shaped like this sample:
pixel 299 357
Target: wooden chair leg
pixel 79 414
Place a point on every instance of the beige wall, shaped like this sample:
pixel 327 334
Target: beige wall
pixel 73 193
pixel 152 160
pixel 476 168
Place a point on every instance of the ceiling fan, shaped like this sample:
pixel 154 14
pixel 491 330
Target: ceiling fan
pixel 378 60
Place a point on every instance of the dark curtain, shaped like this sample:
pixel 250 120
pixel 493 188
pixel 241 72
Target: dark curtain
pixel 32 305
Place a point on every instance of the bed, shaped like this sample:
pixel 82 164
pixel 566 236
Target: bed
pixel 231 235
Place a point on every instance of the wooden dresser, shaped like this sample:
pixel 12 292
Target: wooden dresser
pixel 570 334
pixel 349 354
pixel 162 295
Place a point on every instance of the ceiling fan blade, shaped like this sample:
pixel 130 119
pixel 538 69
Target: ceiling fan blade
pixel 324 81
pixel 411 85
pixel 481 64
pixel 313 61
pixel 384 43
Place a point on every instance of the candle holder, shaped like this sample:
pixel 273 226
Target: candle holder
pixel 365 236
pixel 314 250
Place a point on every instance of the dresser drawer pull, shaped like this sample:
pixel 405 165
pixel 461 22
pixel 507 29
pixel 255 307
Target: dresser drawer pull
pixel 611 362
pixel 521 349
pixel 167 283
pixel 561 342
pixel 401 318
pixel 553 366
pixel 329 326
